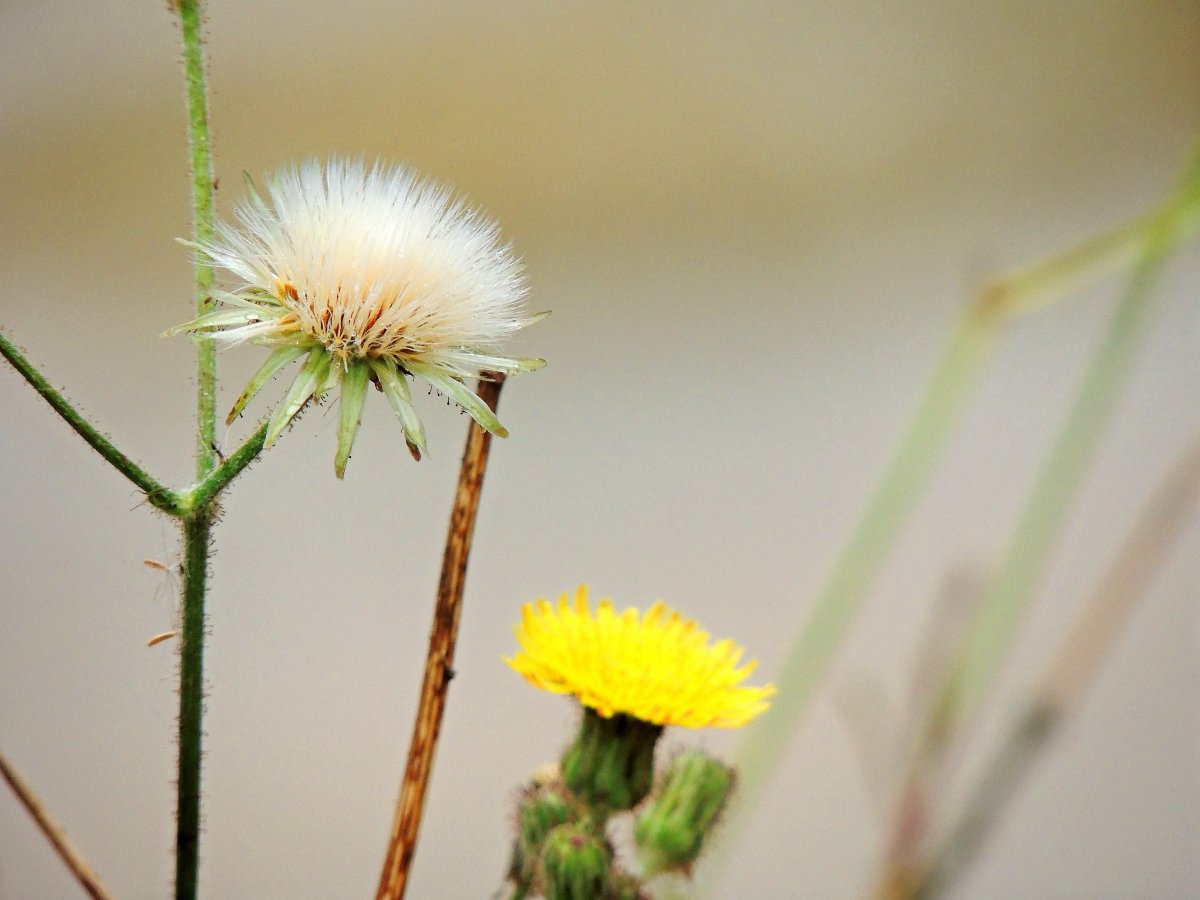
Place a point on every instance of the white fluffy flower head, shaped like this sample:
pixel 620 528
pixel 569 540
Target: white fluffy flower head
pixel 370 275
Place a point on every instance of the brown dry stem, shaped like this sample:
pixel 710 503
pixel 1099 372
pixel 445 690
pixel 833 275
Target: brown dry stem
pixel 88 880
pixel 439 661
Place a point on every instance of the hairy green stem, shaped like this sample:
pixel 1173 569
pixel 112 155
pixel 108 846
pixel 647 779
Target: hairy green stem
pixel 203 187
pixel 198 524
pixel 197 529
pixel 156 493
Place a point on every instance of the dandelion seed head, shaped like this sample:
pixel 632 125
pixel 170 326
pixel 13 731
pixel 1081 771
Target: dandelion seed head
pixel 370 274
pixel 372 262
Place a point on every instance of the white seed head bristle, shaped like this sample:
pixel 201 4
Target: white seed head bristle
pixel 371 262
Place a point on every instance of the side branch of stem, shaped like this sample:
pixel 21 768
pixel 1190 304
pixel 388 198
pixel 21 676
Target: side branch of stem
pixel 219 478
pixel 158 494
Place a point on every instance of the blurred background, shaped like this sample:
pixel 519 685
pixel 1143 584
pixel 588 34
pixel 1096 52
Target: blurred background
pixel 756 225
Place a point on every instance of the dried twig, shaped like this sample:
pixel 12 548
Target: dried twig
pixel 930 752
pixel 83 873
pixel 440 659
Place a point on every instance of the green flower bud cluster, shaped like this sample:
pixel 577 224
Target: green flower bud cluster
pixel 542 807
pixel 562 850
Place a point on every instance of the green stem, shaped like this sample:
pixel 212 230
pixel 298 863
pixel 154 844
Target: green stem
pixel 156 493
pixel 203 187
pixel 1011 589
pixel 197 529
pixel 1030 289
pixel 219 478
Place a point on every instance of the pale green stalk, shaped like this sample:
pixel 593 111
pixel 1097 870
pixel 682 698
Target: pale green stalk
pixel 880 523
pixel 1012 588
pixel 865 553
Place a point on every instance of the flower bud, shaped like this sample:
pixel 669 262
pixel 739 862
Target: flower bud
pixel 540 809
pixel 670 831
pixel 576 863
pixel 611 763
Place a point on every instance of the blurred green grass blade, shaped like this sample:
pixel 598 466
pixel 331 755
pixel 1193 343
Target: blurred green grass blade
pixel 1149 237
pixel 1040 522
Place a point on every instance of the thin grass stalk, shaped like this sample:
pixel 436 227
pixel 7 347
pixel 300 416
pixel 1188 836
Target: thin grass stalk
pixel 1034 538
pixel 863 556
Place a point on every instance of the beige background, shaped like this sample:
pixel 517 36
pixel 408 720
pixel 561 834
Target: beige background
pixel 755 225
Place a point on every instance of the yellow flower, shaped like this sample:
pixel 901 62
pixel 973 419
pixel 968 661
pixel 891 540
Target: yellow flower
pixel 658 668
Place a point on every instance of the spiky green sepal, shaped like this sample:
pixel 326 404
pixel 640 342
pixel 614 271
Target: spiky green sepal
pixel 395 387
pixel 311 378
pixel 215 321
pixel 354 392
pixel 266 372
pixel 460 394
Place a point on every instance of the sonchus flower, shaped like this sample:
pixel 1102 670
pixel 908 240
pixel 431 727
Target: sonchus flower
pixel 633 675
pixel 659 668
pixel 365 275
